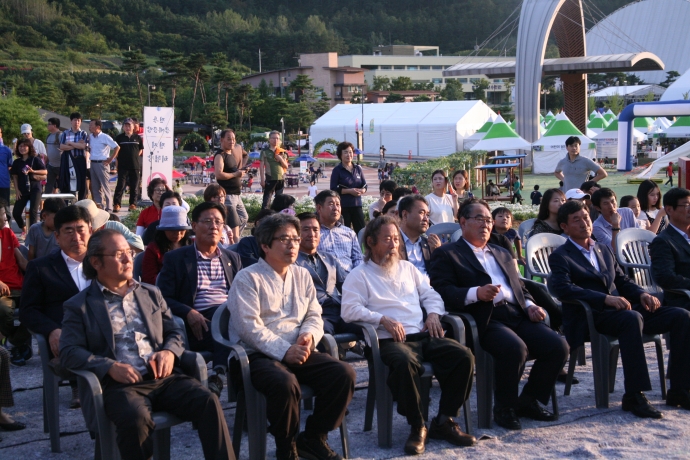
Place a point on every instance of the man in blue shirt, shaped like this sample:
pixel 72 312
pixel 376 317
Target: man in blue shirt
pixel 611 220
pixel 5 165
pixel 336 239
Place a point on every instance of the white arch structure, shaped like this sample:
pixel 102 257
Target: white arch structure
pixel 642 109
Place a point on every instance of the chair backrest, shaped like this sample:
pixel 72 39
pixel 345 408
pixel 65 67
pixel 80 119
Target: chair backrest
pixel 233 247
pixel 632 253
pixel 360 237
pixel 219 326
pixel 456 235
pixel 538 250
pixel 524 228
pixel 138 264
pixel 444 230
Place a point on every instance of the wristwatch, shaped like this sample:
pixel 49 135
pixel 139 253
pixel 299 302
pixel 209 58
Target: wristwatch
pixel 615 229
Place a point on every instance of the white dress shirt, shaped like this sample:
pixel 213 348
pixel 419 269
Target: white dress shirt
pixel 76 271
pixel 491 267
pixel 588 253
pixel 100 146
pixel 369 294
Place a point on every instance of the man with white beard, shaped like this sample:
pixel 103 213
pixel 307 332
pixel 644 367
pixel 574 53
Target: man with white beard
pixel 389 293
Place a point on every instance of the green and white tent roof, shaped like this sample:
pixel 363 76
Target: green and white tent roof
pixel 679 129
pixel 501 137
pixel 550 116
pixel 593 114
pixel 644 124
pixel 512 124
pixel 611 132
pixel 481 132
pixel 609 115
pixel 597 124
pixel 561 129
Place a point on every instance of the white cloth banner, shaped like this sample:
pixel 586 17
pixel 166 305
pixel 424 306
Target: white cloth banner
pixel 158 139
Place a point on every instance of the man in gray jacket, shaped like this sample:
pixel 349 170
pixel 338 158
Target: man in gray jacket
pixel 275 315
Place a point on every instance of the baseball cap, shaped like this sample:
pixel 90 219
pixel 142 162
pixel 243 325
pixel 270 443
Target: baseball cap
pixel 576 194
pixel 26 128
pixel 128 120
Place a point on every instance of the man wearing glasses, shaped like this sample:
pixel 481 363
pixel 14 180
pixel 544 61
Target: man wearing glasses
pixel 195 279
pixel 481 279
pixel 276 317
pixel 136 356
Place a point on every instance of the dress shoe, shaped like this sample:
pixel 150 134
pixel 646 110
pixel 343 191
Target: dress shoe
pixel 564 377
pixel 215 385
pixel 289 453
pixel 314 446
pixel 14 426
pixel 637 404
pixel 132 207
pixel 451 432
pixel 675 398
pixel 16 357
pixel 535 411
pixel 116 208
pixel 415 444
pixel 507 418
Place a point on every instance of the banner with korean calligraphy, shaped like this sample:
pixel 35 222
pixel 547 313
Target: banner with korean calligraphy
pixel 158 139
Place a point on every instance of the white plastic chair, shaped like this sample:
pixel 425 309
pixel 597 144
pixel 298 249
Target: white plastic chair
pixel 632 253
pixel 537 252
pixel 524 229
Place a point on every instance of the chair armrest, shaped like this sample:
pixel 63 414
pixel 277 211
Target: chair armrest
pixel 218 336
pixel 471 324
pixel 96 395
pixel 456 326
pixel 684 292
pixel 91 380
pixel 371 338
pixel 238 352
pixel 345 338
pixel 588 313
pixel 180 323
pixel 330 345
pixel 193 364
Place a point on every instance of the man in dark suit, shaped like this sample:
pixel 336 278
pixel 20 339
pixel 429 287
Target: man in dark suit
pixel 195 280
pixel 326 273
pixel 414 222
pixel 124 333
pixel 670 251
pixel 481 279
pixel 53 279
pixel 584 270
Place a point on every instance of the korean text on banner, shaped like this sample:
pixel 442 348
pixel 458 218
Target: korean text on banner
pixel 158 144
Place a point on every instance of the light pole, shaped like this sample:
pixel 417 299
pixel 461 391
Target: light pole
pixel 625 93
pixel 282 125
pixel 148 91
pixel 544 92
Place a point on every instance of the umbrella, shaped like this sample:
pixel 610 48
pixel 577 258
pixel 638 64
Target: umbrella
pixel 327 155
pixel 209 158
pixel 254 155
pixel 290 153
pixel 255 164
pixel 501 137
pixel 178 175
pixel 305 158
pixel 194 159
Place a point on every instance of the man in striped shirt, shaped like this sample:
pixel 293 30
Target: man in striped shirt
pixel 73 161
pixel 336 239
pixel 195 280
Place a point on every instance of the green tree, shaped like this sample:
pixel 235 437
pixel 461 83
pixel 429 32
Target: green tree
pixel 615 102
pixel 195 64
pixel 421 98
pixel 671 76
pixel 213 116
pixel 14 111
pixel 401 84
pixel 134 61
pixel 395 97
pixel 244 96
pixel 453 91
pixel 429 86
pixel 174 64
pixel 479 89
pixel 381 84
pixel 299 85
pixel 299 116
pixel 227 80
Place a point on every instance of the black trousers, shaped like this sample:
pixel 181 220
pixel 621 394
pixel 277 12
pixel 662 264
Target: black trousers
pixel 333 383
pixel 53 174
pixel 272 186
pixel 129 177
pixel 34 197
pixel 129 406
pixel 453 366
pixel 220 353
pixel 353 216
pixel 629 325
pixel 509 343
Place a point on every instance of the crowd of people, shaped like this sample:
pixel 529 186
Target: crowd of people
pixel 300 276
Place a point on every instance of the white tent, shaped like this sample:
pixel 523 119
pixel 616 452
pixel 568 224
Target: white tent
pixel 597 123
pixel 426 129
pixel 550 149
pixel 679 129
pixel 660 163
pixel 607 140
pixel 478 135
pixel 501 137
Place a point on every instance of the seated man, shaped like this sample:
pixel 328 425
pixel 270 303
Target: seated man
pixel 247 247
pixel 390 294
pixel 52 280
pixel 482 280
pixel 326 273
pixel 275 315
pixel 584 270
pixel 589 187
pixel 135 355
pixel 670 250
pixel 612 219
pixel 12 262
pixel 195 279
pixel 416 246
pixel 336 239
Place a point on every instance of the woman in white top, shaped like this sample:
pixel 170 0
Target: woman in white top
pixel 312 190
pixel 649 196
pixel 443 207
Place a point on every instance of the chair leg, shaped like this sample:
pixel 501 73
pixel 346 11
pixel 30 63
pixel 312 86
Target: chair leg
pixel 371 397
pixel 240 417
pixel 613 367
pixel 660 359
pixel 46 428
pixel 161 444
pixel 581 358
pixel 554 401
pixel 345 438
pixel 51 386
pixel 424 395
pixel 600 369
pixel 485 388
pixel 571 369
pixel 468 417
pixel 256 419
pixel 384 409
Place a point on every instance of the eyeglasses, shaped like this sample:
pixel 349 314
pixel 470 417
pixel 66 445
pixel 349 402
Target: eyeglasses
pixel 120 254
pixel 286 239
pixel 686 206
pixel 160 190
pixel 483 220
pixel 218 198
pixel 212 222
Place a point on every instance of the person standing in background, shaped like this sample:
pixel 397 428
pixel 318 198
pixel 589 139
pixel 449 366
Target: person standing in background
pixel 669 174
pixel 53 154
pixel 273 164
pixel 39 147
pixel 100 145
pixel 5 165
pixel 128 164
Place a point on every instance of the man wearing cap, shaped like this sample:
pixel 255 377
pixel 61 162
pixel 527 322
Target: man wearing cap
pixel 54 154
pixel 101 156
pixel 611 219
pixel 39 146
pixel 73 161
pixel 574 168
pixel 128 164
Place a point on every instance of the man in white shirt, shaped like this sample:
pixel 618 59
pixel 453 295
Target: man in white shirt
pixel 390 293
pixel 39 146
pixel 414 222
pixel 482 280
pixel 101 156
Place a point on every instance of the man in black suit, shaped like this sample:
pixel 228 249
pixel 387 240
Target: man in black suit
pixel 52 280
pixel 123 332
pixel 414 222
pixel 326 273
pixel 670 251
pixel 481 279
pixel 195 280
pixel 584 270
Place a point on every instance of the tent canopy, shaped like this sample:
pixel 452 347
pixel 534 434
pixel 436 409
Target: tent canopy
pixel 501 137
pixel 424 129
pixel 679 129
